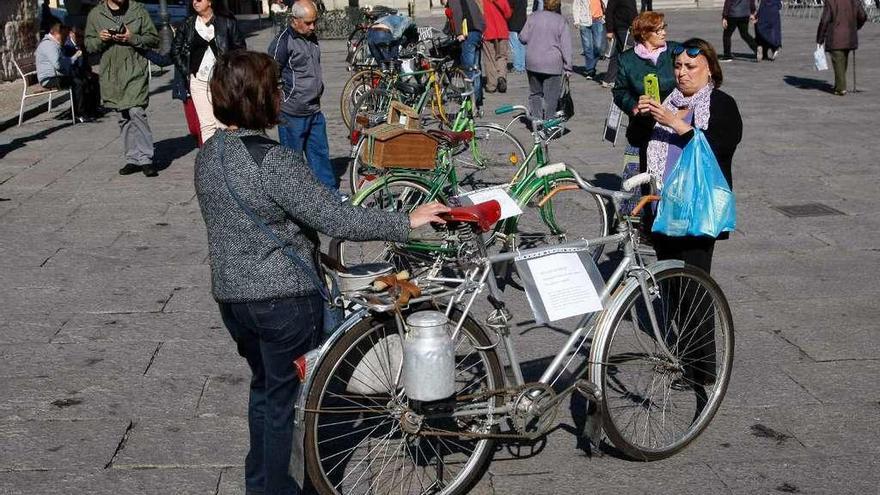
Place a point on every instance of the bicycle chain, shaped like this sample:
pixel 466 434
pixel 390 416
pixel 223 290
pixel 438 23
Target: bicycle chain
pixel 432 432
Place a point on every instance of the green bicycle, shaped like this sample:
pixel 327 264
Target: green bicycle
pixel 554 207
pixel 491 147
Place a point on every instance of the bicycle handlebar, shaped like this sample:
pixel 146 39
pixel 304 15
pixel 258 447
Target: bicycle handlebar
pixel 636 180
pixel 503 109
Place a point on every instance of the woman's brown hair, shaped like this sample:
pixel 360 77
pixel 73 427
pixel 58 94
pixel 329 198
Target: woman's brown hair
pixel 706 50
pixel 646 23
pixel 244 90
pixel 552 5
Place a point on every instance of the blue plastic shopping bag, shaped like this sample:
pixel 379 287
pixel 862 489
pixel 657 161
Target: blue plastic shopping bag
pixel 696 198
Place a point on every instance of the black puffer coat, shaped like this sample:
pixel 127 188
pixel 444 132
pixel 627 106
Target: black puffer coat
pixel 227 37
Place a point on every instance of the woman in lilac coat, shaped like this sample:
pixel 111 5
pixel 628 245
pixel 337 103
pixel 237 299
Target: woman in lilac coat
pixel 548 56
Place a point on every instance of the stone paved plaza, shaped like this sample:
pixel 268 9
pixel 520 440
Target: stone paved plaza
pixel 117 377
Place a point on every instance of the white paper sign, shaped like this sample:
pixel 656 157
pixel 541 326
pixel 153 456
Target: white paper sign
pixel 564 286
pixel 509 208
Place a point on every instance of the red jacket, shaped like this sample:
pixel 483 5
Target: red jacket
pixel 496 13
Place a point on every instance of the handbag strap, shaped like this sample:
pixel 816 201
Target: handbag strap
pixel 285 248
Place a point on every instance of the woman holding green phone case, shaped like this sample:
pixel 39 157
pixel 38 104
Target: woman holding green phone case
pixel 695 103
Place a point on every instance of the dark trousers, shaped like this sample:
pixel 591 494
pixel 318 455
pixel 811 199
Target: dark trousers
pixel 742 24
pixel 619 46
pixel 383 47
pixel 544 92
pixel 270 335
pixel 839 62
pixel 647 5
pixel 85 94
pixel 691 311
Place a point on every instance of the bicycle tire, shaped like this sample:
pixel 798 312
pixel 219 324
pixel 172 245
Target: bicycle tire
pixel 629 366
pixel 348 452
pixel 356 86
pixel 373 101
pixel 490 159
pixel 585 217
pixel 394 194
pixel 358 53
pixel 452 84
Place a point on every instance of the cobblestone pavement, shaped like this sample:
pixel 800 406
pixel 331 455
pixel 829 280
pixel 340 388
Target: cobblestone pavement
pixel 116 376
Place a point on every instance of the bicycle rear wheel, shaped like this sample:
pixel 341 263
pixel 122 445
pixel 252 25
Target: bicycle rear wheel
pixel 655 404
pixel 568 215
pixel 355 87
pixel 357 438
pixel 358 51
pixel 490 159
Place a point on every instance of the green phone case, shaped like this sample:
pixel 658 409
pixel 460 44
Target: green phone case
pixel 652 87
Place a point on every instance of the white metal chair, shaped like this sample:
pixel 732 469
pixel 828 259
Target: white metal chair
pixel 27 70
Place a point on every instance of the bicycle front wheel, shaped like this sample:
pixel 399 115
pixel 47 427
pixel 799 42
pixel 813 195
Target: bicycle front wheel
pixel 570 214
pixel 490 159
pixel 657 398
pixel 393 194
pixel 359 432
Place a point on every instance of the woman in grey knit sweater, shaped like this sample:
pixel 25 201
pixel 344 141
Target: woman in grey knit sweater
pixel 270 306
pixel 548 55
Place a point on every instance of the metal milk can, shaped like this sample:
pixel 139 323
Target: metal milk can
pixel 428 357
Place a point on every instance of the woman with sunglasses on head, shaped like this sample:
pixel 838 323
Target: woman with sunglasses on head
pixel 652 54
pixel 204 36
pixel 696 102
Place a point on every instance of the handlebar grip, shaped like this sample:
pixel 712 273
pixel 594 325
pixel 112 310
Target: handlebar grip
pixel 549 124
pixel 553 168
pixel 503 109
pixel 636 180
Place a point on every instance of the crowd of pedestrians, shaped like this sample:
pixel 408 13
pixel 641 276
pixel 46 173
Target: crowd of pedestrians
pixel 264 202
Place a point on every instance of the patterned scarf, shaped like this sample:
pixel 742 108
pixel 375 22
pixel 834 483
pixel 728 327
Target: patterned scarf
pixel 658 146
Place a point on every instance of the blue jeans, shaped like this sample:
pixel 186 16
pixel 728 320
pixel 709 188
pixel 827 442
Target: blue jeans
pixel 309 134
pixel 270 335
pixel 517 53
pixel 592 41
pixel 383 46
pixel 470 61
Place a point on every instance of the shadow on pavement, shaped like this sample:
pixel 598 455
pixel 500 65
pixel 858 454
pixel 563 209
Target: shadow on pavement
pixel 171 149
pixel 808 83
pixel 23 141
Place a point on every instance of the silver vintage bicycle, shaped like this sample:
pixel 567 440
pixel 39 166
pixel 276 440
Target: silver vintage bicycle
pixel 659 358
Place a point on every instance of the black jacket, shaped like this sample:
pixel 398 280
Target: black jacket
pixel 227 37
pixel 518 18
pixel 619 15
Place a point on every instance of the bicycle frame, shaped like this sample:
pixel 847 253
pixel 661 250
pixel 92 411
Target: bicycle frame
pixel 629 271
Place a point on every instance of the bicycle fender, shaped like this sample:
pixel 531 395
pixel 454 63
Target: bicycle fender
pixel 602 327
pixel 297 465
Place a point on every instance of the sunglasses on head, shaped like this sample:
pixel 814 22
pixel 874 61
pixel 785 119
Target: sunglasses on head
pixel 692 51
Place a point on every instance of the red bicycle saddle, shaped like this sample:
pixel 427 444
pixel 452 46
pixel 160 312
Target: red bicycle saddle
pixel 452 137
pixel 483 214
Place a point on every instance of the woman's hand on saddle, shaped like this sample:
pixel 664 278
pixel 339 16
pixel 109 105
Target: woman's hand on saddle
pixel 427 213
